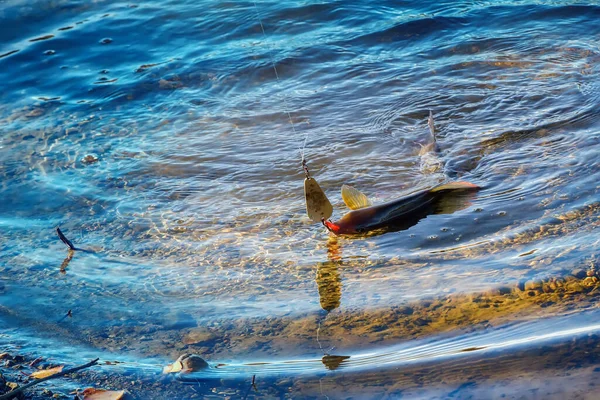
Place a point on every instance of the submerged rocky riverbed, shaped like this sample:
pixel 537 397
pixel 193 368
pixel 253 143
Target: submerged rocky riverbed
pixel 574 291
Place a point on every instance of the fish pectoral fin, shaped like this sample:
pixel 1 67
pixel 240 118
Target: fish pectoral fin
pixel 455 185
pixel 354 198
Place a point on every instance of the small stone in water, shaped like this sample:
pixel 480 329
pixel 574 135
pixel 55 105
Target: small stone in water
pixel 89 159
pixel 186 363
pixel 197 336
pixel 106 41
pixel 579 273
pixel 533 285
pixel 49 52
pixel 501 213
pixel 590 281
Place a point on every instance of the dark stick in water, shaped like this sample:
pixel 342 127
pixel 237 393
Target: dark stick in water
pixel 18 390
pixel 64 239
pixel 252 386
pixel 68 314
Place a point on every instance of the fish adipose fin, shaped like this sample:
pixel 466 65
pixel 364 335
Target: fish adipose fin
pixel 354 198
pixel 454 186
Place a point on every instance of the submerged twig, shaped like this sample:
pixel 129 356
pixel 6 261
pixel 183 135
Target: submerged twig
pixel 252 386
pixel 18 390
pixel 68 314
pixel 65 240
pixel 36 361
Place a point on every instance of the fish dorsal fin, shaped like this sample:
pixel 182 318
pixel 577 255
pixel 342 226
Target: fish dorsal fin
pixel 454 185
pixel 354 198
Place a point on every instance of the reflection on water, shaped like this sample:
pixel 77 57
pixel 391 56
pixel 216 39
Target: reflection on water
pixel 329 282
pixel 333 362
pixel 66 261
pixel 155 136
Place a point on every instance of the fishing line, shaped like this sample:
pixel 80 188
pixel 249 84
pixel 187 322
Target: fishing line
pixel 325 353
pixel 285 105
pixel 318 341
pixel 302 154
pixel 321 386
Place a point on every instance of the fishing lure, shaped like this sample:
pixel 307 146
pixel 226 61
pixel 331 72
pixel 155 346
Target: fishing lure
pixel 318 206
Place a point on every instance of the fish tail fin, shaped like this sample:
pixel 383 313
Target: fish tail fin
pixel 464 185
pixel 434 140
pixel 431 125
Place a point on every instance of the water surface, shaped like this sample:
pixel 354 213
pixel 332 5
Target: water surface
pixel 156 136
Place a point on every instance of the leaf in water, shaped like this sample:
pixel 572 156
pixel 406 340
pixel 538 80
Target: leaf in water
pixel 101 394
pixel 44 373
pixel 173 368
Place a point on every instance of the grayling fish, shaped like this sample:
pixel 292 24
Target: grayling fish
pixel 394 215
pixel 401 213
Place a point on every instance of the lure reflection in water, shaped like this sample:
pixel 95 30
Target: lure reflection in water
pixel 329 281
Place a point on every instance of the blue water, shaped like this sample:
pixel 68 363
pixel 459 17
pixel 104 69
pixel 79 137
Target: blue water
pixel 156 135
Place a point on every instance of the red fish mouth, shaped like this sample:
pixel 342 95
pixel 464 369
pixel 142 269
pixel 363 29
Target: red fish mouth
pixel 333 228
